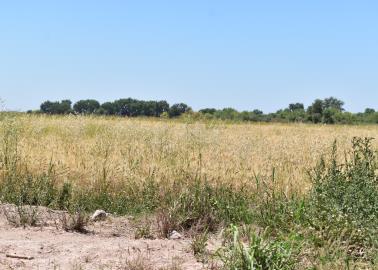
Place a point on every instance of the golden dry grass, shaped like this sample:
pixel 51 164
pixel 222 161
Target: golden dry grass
pixel 83 149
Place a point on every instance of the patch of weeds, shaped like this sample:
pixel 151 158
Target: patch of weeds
pixel 76 222
pixel 175 265
pixel 198 246
pixel 131 197
pixel 144 231
pixel 138 263
pixel 65 195
pixel 274 209
pixel 338 219
pixel 21 187
pixel 201 207
pixel 343 204
pixel 256 253
pixel 213 266
pixel 142 263
pixel 164 223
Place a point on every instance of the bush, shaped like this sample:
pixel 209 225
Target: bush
pixel 343 204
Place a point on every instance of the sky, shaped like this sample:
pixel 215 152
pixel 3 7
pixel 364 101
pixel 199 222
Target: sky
pixel 244 54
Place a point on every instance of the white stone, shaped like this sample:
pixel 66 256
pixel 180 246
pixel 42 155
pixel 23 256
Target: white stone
pixel 99 215
pixel 175 235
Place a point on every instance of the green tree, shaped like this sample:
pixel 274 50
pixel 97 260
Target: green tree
pixel 123 107
pixel 369 111
pixel 178 109
pixel 108 108
pixel 329 116
pixel 88 106
pixel 161 107
pixel 63 107
pixel 333 103
pixel 296 107
pixel 315 111
pixel 257 112
pixel 208 111
pixel 325 110
pixel 228 114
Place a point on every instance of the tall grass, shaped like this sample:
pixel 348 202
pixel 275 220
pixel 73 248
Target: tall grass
pixel 94 150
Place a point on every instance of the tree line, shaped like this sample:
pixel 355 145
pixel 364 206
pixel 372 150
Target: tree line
pixel 328 111
pixel 122 107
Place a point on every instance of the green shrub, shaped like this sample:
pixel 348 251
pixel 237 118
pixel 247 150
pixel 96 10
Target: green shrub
pixel 199 245
pixel 257 253
pixel 343 204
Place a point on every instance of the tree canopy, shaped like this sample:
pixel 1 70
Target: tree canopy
pixel 326 111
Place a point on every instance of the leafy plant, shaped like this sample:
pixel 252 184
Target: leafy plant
pixel 343 204
pixel 198 246
pixel 257 253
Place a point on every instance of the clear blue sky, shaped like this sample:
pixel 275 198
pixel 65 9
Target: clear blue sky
pixel 245 54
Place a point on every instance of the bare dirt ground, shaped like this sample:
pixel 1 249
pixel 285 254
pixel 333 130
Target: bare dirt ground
pixel 109 244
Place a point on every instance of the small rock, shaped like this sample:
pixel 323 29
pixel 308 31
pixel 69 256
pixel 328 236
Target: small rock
pixel 99 215
pixel 174 235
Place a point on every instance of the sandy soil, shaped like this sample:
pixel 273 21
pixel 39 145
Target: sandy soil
pixel 110 244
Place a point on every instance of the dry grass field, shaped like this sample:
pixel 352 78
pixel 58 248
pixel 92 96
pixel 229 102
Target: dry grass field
pixel 200 177
pixel 83 149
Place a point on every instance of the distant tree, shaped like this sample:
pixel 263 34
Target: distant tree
pixel 315 111
pixel 150 108
pixel 329 111
pixel 208 111
pixel 294 113
pixel 325 110
pixel 329 115
pixel 246 116
pixel 373 118
pixel 47 107
pixel 108 108
pixel 63 107
pixel 333 103
pixel 178 109
pixel 369 111
pixel 258 112
pixel 123 107
pixel 316 107
pixel 228 114
pixel 345 117
pixel 161 107
pixel 146 108
pixel 133 107
pixel 88 106
pixel 296 107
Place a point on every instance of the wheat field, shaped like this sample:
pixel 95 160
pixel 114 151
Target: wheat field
pixel 86 149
